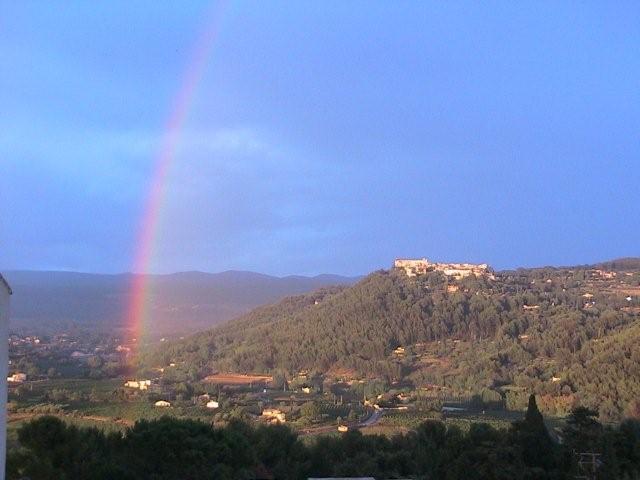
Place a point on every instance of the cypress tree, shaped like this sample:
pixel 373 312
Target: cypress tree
pixel 533 418
pixel 534 439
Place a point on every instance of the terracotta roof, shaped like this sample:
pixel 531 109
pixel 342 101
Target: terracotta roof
pixel 6 284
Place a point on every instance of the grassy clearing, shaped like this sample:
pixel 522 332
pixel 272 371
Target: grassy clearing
pixel 133 411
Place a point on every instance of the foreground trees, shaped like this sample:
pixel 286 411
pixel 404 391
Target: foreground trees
pixel 168 449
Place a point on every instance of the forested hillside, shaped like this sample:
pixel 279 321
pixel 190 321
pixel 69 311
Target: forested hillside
pixel 570 335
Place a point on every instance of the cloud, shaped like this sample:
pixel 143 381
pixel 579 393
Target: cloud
pixel 31 138
pixel 236 197
pixel 190 141
pixel 238 141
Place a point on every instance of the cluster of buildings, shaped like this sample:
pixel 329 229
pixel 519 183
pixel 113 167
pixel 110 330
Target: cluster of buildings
pixel 17 340
pixel 416 267
pixel 202 400
pixel 17 378
pixel 603 274
pixel 138 384
pixel 207 401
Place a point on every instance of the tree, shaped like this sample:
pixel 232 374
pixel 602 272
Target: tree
pixel 94 362
pixel 310 411
pixel 633 410
pixel 279 381
pixel 56 450
pixel 279 450
pixel 532 436
pixel 582 430
pixel 171 449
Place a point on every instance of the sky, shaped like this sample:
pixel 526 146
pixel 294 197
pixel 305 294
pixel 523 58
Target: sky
pixel 322 136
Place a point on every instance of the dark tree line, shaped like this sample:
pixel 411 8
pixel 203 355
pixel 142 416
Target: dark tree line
pixel 168 449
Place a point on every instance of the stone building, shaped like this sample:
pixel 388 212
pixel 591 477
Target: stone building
pixel 415 267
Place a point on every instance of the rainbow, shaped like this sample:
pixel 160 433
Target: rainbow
pixel 137 311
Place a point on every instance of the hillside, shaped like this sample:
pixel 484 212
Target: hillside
pixel 569 334
pixel 181 302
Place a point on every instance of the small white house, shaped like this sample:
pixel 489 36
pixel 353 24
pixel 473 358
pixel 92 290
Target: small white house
pixel 162 403
pixel 17 378
pixel 5 294
pixel 212 404
pixel 138 384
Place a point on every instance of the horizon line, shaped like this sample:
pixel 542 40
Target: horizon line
pixel 231 270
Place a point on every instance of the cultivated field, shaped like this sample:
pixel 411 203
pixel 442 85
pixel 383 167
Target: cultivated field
pixel 237 379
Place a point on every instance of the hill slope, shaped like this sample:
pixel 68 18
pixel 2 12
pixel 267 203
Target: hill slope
pixel 181 303
pixel 543 329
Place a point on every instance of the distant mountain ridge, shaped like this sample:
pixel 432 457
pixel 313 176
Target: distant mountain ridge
pixel 181 302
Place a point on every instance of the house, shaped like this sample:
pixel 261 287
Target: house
pixel 17 378
pixel 412 268
pixel 306 390
pixel 212 404
pixel 399 351
pixel 343 428
pixel 403 397
pixel 5 296
pixel 274 415
pixel 603 274
pixel 138 384
pixel 162 403
pixel 80 355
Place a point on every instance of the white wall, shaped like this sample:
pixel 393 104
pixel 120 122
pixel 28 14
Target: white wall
pixel 4 368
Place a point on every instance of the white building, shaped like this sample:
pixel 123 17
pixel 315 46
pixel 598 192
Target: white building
pixel 17 378
pixel 5 293
pixel 138 384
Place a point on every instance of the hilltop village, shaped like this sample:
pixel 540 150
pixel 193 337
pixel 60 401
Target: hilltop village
pixel 414 268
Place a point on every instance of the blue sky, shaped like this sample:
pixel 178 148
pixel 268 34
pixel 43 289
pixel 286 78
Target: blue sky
pixel 324 136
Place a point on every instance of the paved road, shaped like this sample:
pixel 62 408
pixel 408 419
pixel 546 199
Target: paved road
pixel 369 422
pixel 372 420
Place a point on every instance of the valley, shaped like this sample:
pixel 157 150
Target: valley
pixel 382 355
